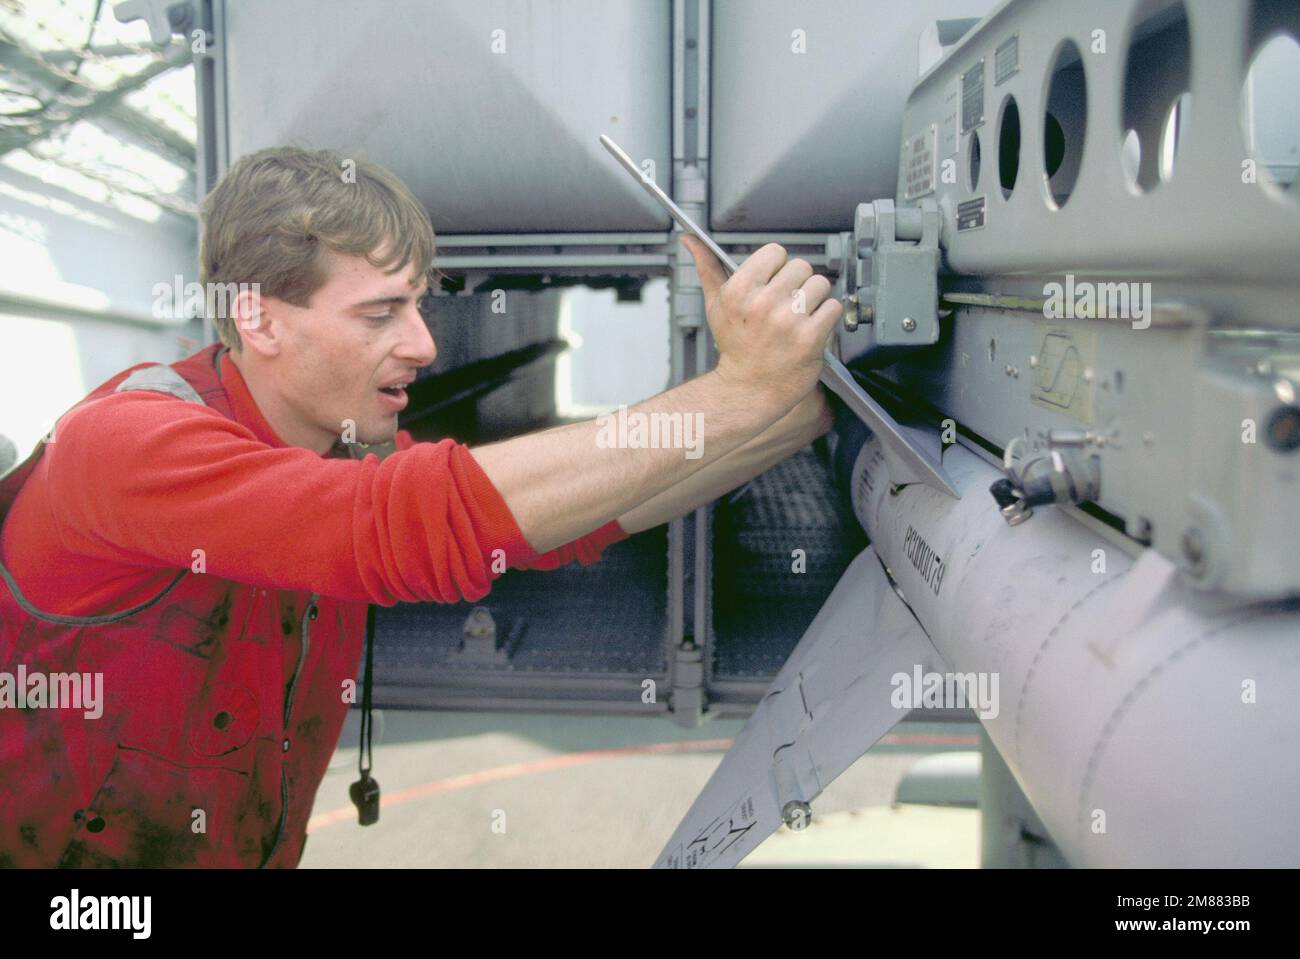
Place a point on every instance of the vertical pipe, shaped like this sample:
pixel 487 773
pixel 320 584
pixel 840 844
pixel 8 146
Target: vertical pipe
pixel 689 546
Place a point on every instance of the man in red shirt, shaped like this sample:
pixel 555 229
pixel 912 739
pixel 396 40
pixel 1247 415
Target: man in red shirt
pixel 188 559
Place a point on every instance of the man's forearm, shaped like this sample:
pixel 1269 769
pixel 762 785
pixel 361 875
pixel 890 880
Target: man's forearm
pixel 803 424
pixel 562 483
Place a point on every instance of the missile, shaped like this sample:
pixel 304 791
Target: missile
pixel 1150 724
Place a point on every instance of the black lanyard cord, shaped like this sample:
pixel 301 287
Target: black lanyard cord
pixel 365 791
pixel 365 752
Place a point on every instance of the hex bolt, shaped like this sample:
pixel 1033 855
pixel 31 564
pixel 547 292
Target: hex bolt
pixel 851 313
pixel 864 227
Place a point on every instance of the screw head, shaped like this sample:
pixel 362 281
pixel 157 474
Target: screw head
pixel 797 814
pixel 909 324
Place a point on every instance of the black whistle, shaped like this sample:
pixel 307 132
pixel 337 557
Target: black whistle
pixel 365 796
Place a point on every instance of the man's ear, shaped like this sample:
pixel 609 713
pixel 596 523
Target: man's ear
pixel 254 317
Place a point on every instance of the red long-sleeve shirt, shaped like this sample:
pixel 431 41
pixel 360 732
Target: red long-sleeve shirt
pixel 130 491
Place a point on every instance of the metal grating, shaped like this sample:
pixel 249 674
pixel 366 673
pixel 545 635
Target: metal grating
pixel 607 618
pixel 761 607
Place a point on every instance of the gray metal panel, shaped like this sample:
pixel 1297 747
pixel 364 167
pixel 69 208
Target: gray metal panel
pixel 1170 402
pixel 487 140
pixel 799 139
pixel 1170 396
pixel 1207 221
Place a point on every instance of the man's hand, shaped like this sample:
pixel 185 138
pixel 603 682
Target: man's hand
pixel 770 320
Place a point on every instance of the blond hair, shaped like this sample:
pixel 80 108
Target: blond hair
pixel 273 216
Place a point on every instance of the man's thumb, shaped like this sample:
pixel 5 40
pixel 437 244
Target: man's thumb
pixel 709 267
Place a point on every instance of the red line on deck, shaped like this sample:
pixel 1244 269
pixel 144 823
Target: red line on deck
pixel 569 760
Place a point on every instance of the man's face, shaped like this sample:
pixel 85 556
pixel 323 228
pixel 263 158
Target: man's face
pixel 345 358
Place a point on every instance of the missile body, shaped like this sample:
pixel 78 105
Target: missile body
pixel 1149 723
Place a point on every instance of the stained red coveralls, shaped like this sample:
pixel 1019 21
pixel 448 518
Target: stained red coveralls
pixel 219 581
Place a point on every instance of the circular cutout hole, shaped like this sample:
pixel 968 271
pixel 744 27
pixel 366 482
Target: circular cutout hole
pixel 1268 103
pixel 1053 145
pixel 973 164
pixel 1009 147
pixel 221 720
pixel 1156 81
pixel 1065 124
pixel 1283 430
